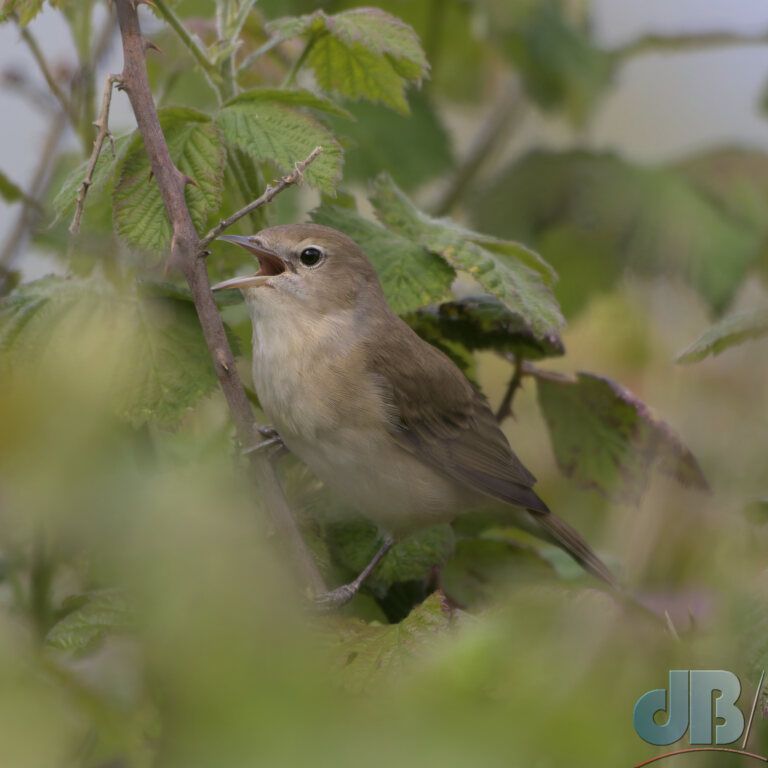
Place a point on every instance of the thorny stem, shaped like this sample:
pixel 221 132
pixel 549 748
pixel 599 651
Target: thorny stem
pixel 185 250
pixel 266 197
pixel 102 123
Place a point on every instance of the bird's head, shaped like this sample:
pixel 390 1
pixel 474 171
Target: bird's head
pixel 303 268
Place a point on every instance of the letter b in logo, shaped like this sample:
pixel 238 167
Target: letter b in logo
pixel 692 701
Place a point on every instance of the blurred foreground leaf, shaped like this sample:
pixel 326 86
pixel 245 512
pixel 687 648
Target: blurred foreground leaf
pixel 26 10
pixel 604 437
pixel 518 277
pixel 411 276
pixel 145 356
pixel 729 332
pixel 102 613
pixel 372 654
pixel 9 191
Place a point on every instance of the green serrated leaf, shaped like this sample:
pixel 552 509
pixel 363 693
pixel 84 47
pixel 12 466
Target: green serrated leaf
pixel 483 322
pixel 293 97
pixel 26 10
pixel 729 332
pixel 104 175
pixel 362 53
pixel 196 149
pixel 604 437
pixel 370 654
pixel 353 543
pixel 272 132
pixel 517 276
pixel 411 276
pixel 146 356
pixel 102 613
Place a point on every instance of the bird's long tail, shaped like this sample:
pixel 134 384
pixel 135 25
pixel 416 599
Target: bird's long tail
pixel 560 533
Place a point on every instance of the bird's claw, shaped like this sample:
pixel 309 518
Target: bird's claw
pixel 272 440
pixel 336 598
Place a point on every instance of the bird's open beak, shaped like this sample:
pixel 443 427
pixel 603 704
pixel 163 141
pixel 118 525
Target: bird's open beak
pixel 269 262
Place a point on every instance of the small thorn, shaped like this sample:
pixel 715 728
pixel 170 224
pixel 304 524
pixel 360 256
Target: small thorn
pixel 204 254
pixel 151 175
pixel 150 46
pixel 222 359
pixel 188 180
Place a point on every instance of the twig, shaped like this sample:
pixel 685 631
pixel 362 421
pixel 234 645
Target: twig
pixel 506 115
pixel 102 123
pixel 185 247
pixel 681 43
pixel 50 80
pixel 505 409
pixel 266 197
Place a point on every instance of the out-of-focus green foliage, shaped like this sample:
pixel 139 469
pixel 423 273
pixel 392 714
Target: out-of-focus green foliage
pixel 148 616
pixel 728 332
pixel 605 437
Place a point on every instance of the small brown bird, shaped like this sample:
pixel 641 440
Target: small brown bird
pixel 384 419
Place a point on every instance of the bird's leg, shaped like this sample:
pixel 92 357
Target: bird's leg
pixel 271 439
pixel 342 595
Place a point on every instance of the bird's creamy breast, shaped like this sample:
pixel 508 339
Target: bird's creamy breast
pixel 311 378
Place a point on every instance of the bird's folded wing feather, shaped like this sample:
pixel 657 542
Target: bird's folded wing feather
pixel 437 415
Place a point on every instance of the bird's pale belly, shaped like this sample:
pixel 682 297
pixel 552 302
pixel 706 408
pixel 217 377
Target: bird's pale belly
pixel 382 481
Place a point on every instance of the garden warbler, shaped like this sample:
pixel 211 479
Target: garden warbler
pixel 384 419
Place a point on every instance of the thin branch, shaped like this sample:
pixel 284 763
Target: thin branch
pixel 251 58
pixel 266 197
pixel 37 55
pixel 299 63
pixel 505 408
pixel 505 116
pixel 102 123
pixel 683 43
pixel 200 56
pixel 185 247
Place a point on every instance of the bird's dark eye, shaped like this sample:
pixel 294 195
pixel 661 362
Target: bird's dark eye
pixel 311 256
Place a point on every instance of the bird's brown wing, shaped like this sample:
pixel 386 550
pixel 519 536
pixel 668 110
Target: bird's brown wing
pixel 439 416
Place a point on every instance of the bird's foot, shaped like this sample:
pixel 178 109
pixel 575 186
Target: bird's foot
pixel 336 598
pixel 272 442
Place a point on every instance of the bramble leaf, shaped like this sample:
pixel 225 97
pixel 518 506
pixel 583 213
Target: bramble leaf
pixel 101 613
pixel 104 175
pixel 410 275
pixel 360 53
pixel 604 437
pixel 196 149
pixel 274 132
pixel 353 543
pixel 369 654
pixel 483 322
pixel 728 332
pixel 518 277
pixel 145 355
